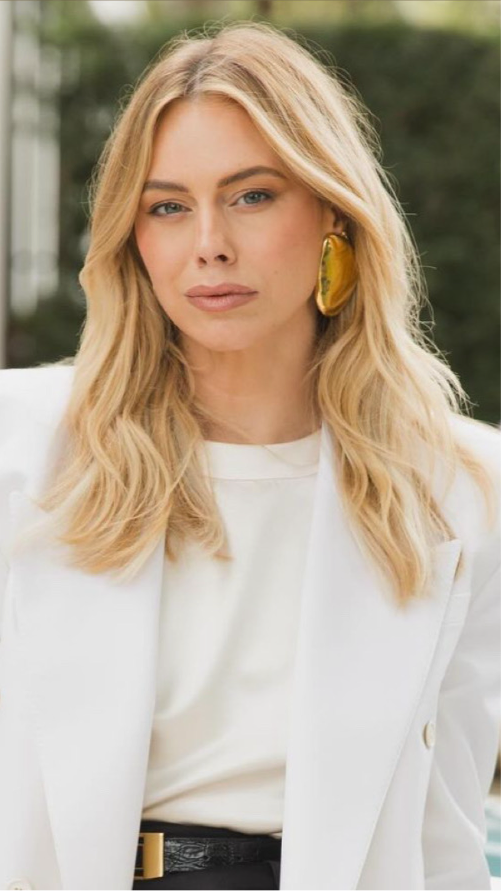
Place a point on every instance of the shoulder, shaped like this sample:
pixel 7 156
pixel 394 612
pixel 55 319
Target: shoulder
pixel 481 537
pixel 482 438
pixel 42 391
pixel 32 404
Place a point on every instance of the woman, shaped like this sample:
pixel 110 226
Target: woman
pixel 261 648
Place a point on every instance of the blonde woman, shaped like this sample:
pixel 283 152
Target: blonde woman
pixel 249 539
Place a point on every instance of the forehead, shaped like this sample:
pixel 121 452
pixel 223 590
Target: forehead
pixel 202 111
pixel 209 130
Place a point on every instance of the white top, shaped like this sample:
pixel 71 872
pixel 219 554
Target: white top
pixel 227 644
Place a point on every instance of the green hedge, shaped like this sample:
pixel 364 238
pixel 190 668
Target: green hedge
pixel 435 100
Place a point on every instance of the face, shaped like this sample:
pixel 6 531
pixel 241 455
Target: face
pixel 263 231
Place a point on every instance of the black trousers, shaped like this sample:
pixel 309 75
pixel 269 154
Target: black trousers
pixel 265 874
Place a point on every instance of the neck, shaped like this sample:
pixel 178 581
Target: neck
pixel 261 390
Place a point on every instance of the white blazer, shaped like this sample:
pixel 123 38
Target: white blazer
pixel 394 724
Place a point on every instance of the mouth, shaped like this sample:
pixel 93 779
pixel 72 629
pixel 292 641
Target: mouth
pixel 222 302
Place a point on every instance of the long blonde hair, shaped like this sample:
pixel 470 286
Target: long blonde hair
pixel 133 471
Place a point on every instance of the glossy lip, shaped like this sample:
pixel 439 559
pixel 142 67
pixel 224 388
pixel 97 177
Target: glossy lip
pixel 218 290
pixel 223 302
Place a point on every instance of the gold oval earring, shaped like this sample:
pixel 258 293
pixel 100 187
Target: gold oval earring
pixel 337 274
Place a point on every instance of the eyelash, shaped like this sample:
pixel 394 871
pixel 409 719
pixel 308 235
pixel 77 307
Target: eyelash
pixel 268 195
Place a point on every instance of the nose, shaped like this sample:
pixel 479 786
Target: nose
pixel 212 240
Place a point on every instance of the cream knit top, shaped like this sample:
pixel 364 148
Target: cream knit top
pixel 227 643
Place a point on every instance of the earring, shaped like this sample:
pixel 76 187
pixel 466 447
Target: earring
pixel 337 274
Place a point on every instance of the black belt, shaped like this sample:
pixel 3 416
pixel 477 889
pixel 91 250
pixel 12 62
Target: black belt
pixel 159 853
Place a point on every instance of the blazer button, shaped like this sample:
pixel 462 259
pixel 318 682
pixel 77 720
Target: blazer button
pixel 429 734
pixel 21 884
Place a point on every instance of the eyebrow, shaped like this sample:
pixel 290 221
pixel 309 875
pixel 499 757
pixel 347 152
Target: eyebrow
pixel 165 185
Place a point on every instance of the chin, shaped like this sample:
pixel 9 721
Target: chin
pixel 225 336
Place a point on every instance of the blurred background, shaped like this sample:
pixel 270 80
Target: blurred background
pixel 429 71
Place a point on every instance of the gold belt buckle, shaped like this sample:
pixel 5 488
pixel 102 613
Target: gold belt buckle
pixel 151 844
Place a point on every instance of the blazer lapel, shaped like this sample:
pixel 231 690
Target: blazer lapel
pixel 360 668
pixel 90 649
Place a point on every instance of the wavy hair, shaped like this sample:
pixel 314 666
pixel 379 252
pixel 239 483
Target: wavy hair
pixel 133 469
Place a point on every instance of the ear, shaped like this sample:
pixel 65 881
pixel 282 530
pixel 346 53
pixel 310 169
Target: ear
pixel 339 220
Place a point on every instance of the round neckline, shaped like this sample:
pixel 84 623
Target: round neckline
pixel 245 461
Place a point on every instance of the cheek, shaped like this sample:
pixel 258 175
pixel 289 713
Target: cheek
pixel 154 252
pixel 295 238
pixel 292 254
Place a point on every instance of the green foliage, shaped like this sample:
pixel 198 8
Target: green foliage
pixel 435 95
pixel 434 98
pixel 47 335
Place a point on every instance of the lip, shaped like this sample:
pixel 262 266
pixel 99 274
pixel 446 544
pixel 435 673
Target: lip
pixel 222 302
pixel 218 290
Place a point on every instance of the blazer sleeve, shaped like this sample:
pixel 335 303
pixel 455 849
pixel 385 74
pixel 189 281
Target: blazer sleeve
pixel 467 739
pixel 3 584
pixel 4 499
pixel 31 400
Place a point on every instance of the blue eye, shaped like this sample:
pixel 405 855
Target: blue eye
pixel 267 195
pixel 156 210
